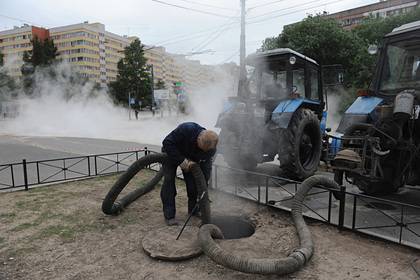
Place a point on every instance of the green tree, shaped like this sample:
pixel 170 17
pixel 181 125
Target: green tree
pixel 42 55
pixel 160 84
pixel 320 38
pixel 7 84
pixel 133 76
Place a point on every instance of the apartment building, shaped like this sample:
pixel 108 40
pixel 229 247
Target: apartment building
pixel 95 52
pixel 90 49
pixel 13 43
pixel 353 17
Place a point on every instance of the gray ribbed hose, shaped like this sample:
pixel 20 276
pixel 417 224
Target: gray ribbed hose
pixel 293 262
pixel 110 207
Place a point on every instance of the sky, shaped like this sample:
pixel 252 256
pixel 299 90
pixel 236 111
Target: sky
pixel 204 30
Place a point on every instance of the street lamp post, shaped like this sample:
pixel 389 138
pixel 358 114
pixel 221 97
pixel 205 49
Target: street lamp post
pixel 129 106
pixel 153 94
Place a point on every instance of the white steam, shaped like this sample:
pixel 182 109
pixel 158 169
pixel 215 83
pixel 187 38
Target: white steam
pixel 334 117
pixel 60 110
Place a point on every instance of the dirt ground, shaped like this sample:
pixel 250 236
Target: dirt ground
pixel 60 232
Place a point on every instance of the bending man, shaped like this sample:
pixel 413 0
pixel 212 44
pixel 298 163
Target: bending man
pixel 188 144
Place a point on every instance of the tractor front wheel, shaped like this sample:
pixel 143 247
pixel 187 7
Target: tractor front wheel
pixel 300 145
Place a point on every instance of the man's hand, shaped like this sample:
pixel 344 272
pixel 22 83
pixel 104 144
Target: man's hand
pixel 186 165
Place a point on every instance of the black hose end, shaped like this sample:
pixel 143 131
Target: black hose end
pixel 118 207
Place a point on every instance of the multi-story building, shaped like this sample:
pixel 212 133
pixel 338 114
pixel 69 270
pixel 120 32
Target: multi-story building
pixel 95 52
pixel 14 42
pixel 351 18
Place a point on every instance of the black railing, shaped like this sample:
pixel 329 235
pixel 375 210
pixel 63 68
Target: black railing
pixel 29 173
pixel 390 220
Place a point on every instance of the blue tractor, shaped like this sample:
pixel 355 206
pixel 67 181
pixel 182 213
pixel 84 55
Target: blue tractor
pixel 279 110
pixel 380 146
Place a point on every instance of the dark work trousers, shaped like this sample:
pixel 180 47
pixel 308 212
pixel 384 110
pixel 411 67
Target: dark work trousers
pixel 168 191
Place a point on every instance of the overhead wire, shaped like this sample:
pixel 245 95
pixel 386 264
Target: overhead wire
pixel 289 13
pixel 21 20
pixel 190 9
pixel 228 58
pixel 210 6
pixel 250 21
pixel 266 4
pixel 227 24
pixel 288 8
pixel 188 35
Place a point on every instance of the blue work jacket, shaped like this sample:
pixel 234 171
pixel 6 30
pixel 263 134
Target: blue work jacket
pixel 181 144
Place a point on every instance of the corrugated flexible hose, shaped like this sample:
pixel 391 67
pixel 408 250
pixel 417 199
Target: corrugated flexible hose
pixel 208 231
pixel 110 207
pixel 289 264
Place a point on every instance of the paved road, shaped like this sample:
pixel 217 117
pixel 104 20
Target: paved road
pixel 14 149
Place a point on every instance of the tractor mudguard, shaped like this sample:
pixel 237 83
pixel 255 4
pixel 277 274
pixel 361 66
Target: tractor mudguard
pixel 226 108
pixel 223 113
pixel 283 113
pixel 359 112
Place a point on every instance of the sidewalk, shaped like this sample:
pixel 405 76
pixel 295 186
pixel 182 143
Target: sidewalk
pixel 149 114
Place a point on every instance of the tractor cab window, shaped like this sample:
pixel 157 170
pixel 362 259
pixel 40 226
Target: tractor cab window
pixel 299 79
pixel 313 93
pixel 253 81
pixel 267 81
pixel 400 70
pixel 274 80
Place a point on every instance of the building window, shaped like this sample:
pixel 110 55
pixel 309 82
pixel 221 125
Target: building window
pixel 357 20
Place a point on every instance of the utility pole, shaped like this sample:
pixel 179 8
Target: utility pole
pixel 129 105
pixel 242 39
pixel 242 48
pixel 153 94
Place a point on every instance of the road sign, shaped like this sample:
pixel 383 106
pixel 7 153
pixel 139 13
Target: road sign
pixel 161 93
pixel 181 98
pixel 132 101
pixel 182 91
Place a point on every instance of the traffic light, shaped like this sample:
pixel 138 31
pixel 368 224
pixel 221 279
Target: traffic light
pixel 176 88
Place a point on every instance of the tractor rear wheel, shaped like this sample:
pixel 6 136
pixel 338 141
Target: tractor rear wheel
pixel 300 145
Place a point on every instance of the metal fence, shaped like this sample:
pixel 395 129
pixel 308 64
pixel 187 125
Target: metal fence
pixel 390 220
pixel 28 173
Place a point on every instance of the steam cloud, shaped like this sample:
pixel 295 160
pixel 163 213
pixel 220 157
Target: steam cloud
pixel 60 110
pixel 334 118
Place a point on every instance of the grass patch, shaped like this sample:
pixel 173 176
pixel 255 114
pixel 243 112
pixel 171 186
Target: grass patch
pixel 20 204
pixel 12 252
pixel 7 218
pixel 23 227
pixel 42 190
